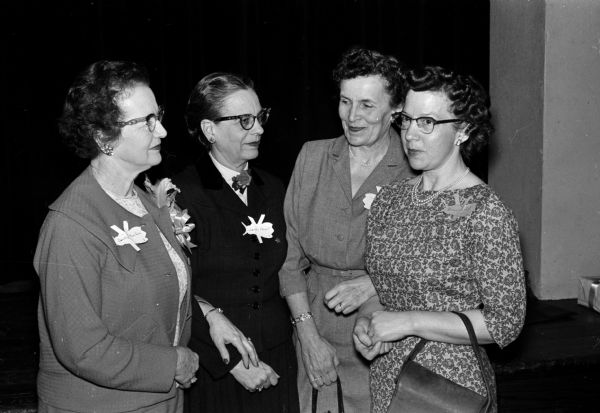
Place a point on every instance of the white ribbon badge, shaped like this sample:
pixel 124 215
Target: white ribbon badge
pixel 129 236
pixel 260 229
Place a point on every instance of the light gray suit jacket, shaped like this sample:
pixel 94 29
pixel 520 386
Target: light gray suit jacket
pixel 107 313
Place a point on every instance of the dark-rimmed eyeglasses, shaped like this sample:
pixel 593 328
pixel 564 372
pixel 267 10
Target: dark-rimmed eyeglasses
pixel 425 123
pixel 150 120
pixel 247 120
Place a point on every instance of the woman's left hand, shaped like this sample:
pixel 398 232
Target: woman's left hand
pixel 364 343
pixel 223 331
pixel 347 296
pixel 390 326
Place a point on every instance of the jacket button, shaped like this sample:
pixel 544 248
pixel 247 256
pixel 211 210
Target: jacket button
pixel 340 237
pixel 256 272
pixel 255 289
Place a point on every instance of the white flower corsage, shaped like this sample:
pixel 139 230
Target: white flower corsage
pixel 164 193
pixel 131 236
pixel 369 197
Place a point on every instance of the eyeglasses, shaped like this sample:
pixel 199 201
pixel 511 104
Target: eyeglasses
pixel 247 120
pixel 150 120
pixel 425 123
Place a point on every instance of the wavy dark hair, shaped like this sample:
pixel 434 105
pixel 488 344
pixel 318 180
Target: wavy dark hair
pixel 469 102
pixel 91 110
pixel 208 98
pixel 364 62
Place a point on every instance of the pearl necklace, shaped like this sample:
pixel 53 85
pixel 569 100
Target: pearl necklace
pixel 420 202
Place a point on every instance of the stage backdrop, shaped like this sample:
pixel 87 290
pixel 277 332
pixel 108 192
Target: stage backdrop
pixel 287 47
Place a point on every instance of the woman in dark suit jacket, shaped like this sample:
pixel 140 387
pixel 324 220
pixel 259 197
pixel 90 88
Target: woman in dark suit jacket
pixel 240 238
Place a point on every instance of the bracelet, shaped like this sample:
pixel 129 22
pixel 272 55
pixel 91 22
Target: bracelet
pixel 302 317
pixel 217 309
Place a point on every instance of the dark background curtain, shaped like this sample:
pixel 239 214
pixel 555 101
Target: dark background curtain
pixel 288 47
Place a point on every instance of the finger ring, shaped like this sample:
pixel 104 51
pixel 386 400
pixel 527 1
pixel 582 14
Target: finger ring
pixel 340 306
pixel 193 380
pixel 249 339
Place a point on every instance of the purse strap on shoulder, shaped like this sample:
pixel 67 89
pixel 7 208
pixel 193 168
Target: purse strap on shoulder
pixel 487 379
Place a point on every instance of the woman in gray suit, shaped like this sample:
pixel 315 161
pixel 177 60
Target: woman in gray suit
pixel 326 206
pixel 114 310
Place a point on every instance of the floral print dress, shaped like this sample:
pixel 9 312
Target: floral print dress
pixel 458 252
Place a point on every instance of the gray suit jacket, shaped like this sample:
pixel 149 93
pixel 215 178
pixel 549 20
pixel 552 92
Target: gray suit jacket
pixel 107 313
pixel 326 225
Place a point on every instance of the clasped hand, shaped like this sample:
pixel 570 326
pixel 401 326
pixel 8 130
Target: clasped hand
pixel 373 335
pixel 255 377
pixel 187 364
pixel 347 296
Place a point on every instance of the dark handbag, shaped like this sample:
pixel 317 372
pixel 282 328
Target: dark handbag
pixel 418 389
pixel 340 398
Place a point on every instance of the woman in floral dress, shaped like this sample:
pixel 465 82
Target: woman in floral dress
pixel 440 242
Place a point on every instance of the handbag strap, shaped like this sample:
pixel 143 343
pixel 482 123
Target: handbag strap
pixel 340 397
pixel 487 379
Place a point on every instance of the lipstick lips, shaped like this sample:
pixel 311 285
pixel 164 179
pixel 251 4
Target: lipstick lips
pixel 156 147
pixel 355 129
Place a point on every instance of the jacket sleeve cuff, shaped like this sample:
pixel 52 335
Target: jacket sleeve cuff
pixel 291 282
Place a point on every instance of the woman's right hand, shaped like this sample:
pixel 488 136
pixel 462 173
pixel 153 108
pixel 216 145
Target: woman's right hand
pixel 223 331
pixel 187 364
pixel 320 360
pixel 255 378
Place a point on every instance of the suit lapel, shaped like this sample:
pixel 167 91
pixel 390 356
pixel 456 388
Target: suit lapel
pixel 338 154
pixel 161 217
pixel 87 203
pixel 256 192
pixel 386 170
pixel 216 187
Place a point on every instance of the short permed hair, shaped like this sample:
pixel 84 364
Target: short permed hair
pixel 363 62
pixel 469 102
pixel 91 110
pixel 208 98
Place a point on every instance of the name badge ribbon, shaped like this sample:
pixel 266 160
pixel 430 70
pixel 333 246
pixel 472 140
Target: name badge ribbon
pixel 260 229
pixel 370 197
pixel 129 236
